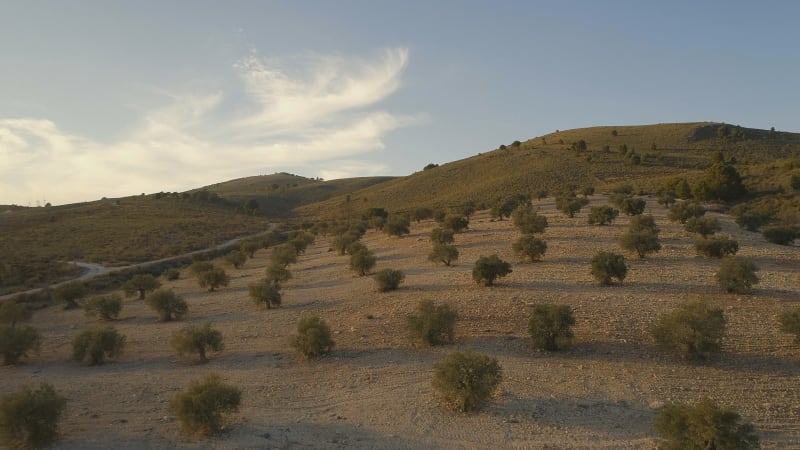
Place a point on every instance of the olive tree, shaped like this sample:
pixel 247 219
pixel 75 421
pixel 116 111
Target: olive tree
pixel 167 304
pixel 68 294
pixel 703 425
pixel 694 330
pixel 528 221
pixel 388 279
pixel 141 283
pixel 737 274
pixel 29 417
pixel 266 292
pixel 529 247
pixel 213 279
pixel 362 261
pixel 608 265
pixel 642 236
pixel 201 406
pixel 104 307
pixel 466 380
pixel 96 345
pixel 489 268
pixel 443 253
pixel 313 338
pixel 432 324
pixel 550 327
pixel 197 339
pixel 602 215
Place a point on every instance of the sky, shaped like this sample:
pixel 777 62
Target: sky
pixel 116 98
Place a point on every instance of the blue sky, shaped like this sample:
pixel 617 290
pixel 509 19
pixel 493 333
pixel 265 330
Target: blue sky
pixel 104 98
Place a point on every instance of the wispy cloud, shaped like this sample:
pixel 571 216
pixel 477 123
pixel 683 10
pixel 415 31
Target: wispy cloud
pixel 314 111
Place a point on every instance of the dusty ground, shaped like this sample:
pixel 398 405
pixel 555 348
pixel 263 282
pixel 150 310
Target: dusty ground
pixel 375 390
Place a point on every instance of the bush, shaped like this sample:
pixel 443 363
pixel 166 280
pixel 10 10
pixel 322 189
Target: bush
pixel 443 253
pixel 200 407
pixel 421 214
pixel 455 223
pixel 313 337
pixel 167 304
pixel 703 226
pixel 141 283
pixel 432 324
pixel 199 267
pixel 18 341
pixel 250 247
pixel 790 323
pixel 780 235
pixel 96 345
pixel 528 247
pixel 642 236
pixel 194 339
pixel 12 312
pixel 683 211
pixel 362 261
pixel 68 294
pixel 751 219
pixel 489 268
pixel 694 330
pixel 29 417
pixel 737 274
pixel 442 236
pixel 172 274
pixel 236 258
pixel 527 221
pixel 388 279
pixel 466 380
pixel 397 225
pixel 105 307
pixel 703 425
pixel 278 274
pixel 213 279
pixel 570 205
pixel 602 215
pixel 716 246
pixel 266 292
pixel 632 206
pixel 550 327
pixel 283 255
pixel 607 265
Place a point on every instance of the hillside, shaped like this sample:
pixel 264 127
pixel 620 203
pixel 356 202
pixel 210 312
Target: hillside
pixel 549 163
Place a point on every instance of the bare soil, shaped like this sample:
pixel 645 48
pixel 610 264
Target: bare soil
pixel 374 390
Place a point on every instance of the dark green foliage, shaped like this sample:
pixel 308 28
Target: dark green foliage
pixel 694 330
pixel 780 235
pixel 196 339
pixel 355 247
pixel 421 214
pixel 642 236
pixel 602 215
pixel 266 292
pixel 570 205
pixel 313 337
pixel 167 304
pixel 251 206
pixel 362 261
pixel 795 182
pixel 277 273
pixel 18 341
pixel 550 327
pixel 527 221
pixel 703 226
pixel 397 225
pixel 504 207
pixel 466 380
pixel 213 279
pixel 529 247
pixel 632 206
pixel 442 236
pixel 607 265
pixel 236 258
pixel 716 246
pixel 455 223
pixel 104 307
pixel 489 268
pixel 790 323
pixel 68 294
pixel 723 182
pixel 388 279
pixel 443 253
pixel 12 313
pixel 432 324
pixel 703 426
pixel 737 274
pixel 342 241
pixel 579 146
pixel 200 407
pixel 141 283
pixel 96 345
pixel 283 255
pixel 683 211
pixel 751 219
pixel 29 417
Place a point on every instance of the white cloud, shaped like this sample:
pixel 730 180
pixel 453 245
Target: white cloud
pixel 312 111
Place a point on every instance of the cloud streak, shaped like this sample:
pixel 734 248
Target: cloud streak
pixel 313 111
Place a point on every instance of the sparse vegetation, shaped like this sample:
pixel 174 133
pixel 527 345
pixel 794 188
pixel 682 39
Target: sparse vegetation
pixel 602 215
pixel 442 236
pixel 550 327
pixel 104 307
pixel 96 345
pixel 141 283
pixel 529 248
pixel 737 274
pixel 642 236
pixel 313 338
pixel 68 294
pixel 489 268
pixel 277 273
pixel 466 380
pixel 790 323
pixel 694 330
pixel 432 324
pixel 683 211
pixel 167 304
pixel 527 221
pixel 781 235
pixel 196 339
pixel 236 259
pixel 607 266
pixel 266 292
pixel 388 279
pixel 213 279
pixel 704 226
pixel 455 223
pixel 29 417
pixel 17 341
pixel 703 425
pixel 443 253
pixel 201 406
pixel 362 261
pixel 12 313
pixel 570 204
pixel 397 225
pixel 632 206
pixel 716 246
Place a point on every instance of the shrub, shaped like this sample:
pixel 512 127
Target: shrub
pixel 694 330
pixel 141 283
pixel 388 279
pixel 283 255
pixel 266 292
pixel 421 214
pixel 683 211
pixel 527 221
pixel 200 407
pixel 455 223
pixel 362 261
pixel 751 219
pixel 432 324
pixel 167 304
pixel 172 274
pixel 737 274
pixel 703 425
pixel 194 339
pixel 489 268
pixel 602 215
pixel 607 265
pixel 250 247
pixel 343 241
pixel 442 236
pixel 29 417
pixel 213 279
pixel 278 274
pixel 313 337
pixel 780 235
pixel 236 258
pixel 703 226
pixel 68 294
pixel 443 253
pixel 528 247
pixel 550 327
pixel 96 345
pixel 12 312
pixel 466 380
pixel 790 323
pixel 397 225
pixel 18 341
pixel 199 267
pixel 794 182
pixel 570 205
pixel 632 206
pixel 716 246
pixel 642 236
pixel 105 307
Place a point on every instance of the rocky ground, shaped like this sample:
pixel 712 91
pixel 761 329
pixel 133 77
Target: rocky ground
pixel 375 390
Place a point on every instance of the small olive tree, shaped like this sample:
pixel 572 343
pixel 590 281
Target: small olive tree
pixel 606 266
pixel 432 324
pixel 642 236
pixel 455 223
pixel 443 253
pixel 790 323
pixel 213 279
pixel 201 406
pixel 703 425
pixel 466 380
pixel 602 215
pixel 29 417
pixel 167 304
pixel 683 211
pixel 362 261
pixel 704 226
pixel 104 307
pixel 781 235
pixel 489 268
pixel 12 313
pixel 527 221
pixel 141 283
pixel 397 225
pixel 529 248
pixel 388 279
pixel 96 345
pixel 68 294
pixel 442 236
pixel 17 341
pixel 716 246
pixel 197 339
pixel 236 258
pixel 313 338
pixel 571 204
pixel 265 292
pixel 737 274
pixel 550 327
pixel 694 330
